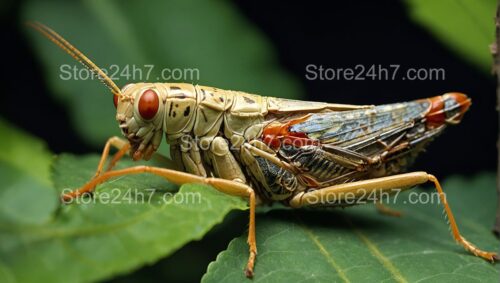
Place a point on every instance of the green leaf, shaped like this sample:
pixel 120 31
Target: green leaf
pixel 24 199
pixel 360 245
pixel 24 152
pixel 467 27
pixel 214 39
pixel 25 195
pixel 131 221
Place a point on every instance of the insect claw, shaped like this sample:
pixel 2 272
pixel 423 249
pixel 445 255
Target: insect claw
pixel 248 273
pixel 67 198
pixel 250 264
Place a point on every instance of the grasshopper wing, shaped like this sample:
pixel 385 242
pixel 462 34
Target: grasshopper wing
pixel 282 105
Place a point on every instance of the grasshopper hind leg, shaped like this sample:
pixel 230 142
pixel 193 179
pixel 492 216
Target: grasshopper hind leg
pixel 340 193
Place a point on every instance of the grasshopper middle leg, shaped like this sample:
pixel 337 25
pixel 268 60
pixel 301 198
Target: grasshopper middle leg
pixel 336 193
pixel 123 146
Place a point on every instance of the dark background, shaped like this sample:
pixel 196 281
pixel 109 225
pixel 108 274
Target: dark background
pixel 337 35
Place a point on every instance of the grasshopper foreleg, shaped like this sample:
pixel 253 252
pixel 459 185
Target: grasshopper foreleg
pixel 225 186
pixel 122 146
pixel 339 193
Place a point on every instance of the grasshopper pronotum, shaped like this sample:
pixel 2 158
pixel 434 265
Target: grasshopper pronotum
pixel 271 149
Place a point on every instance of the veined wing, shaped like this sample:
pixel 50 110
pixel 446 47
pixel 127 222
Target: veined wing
pixel 282 105
pixel 335 147
pixel 366 131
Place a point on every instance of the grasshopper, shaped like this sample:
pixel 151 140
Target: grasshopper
pixel 268 149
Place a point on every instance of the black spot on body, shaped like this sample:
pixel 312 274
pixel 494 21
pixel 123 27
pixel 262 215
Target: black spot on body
pixel 221 99
pixel 176 105
pixel 248 100
pixel 175 88
pixel 186 111
pixel 170 109
pixel 174 114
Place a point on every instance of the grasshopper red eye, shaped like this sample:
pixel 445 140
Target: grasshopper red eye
pixel 115 100
pixel 148 104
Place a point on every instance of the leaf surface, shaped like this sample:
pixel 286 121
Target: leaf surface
pixel 359 245
pixel 130 222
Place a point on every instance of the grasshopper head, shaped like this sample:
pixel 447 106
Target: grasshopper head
pixel 139 107
pixel 140 115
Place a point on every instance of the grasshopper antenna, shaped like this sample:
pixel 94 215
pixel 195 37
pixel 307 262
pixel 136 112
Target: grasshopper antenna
pixel 76 54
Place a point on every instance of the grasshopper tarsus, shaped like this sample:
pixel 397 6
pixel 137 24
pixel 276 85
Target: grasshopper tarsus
pixel 248 273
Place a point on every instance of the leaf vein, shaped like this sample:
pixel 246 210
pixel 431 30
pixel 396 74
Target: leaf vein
pixel 377 253
pixel 322 250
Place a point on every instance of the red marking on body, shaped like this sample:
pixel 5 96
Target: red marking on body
pixel 462 99
pixel 436 115
pixel 276 133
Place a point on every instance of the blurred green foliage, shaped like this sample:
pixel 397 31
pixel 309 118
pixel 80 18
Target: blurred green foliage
pixel 25 153
pixel 465 26
pixel 25 174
